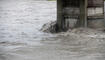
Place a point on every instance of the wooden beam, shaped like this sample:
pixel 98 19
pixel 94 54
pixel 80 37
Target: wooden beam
pixel 104 12
pixel 103 6
pixel 83 13
pixel 59 14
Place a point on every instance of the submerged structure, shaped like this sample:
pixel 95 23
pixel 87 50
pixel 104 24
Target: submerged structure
pixel 80 13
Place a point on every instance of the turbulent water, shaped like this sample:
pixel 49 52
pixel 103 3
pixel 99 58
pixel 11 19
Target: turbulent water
pixel 21 38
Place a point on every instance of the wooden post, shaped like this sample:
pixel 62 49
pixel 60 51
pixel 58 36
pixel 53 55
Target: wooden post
pixel 103 6
pixel 59 14
pixel 103 10
pixel 83 13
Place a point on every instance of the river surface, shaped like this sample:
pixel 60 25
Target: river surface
pixel 21 38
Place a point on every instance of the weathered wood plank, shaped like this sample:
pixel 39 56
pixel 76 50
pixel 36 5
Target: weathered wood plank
pixel 83 13
pixel 59 14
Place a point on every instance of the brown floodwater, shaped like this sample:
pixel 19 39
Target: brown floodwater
pixel 21 38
